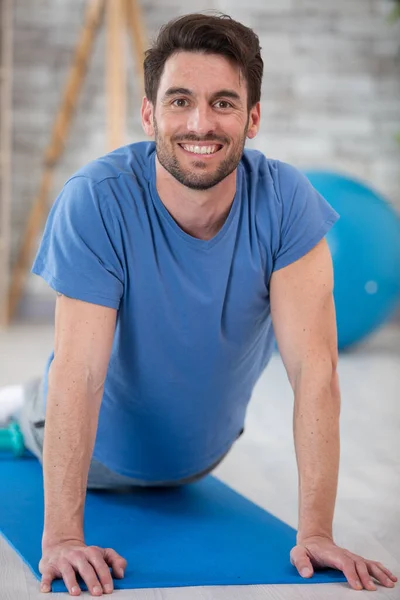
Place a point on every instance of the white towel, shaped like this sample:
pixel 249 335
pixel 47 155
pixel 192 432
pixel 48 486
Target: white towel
pixel 11 400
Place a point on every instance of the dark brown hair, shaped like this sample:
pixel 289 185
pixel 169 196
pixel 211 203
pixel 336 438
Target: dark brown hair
pixel 211 34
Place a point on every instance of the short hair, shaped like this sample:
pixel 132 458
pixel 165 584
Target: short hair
pixel 210 34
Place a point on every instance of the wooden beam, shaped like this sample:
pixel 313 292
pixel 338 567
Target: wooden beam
pixel 138 38
pixel 115 74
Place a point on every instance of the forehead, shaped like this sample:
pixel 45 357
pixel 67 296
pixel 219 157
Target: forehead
pixel 201 71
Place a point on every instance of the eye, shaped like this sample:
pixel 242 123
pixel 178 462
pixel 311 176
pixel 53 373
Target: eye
pixel 180 100
pixel 225 103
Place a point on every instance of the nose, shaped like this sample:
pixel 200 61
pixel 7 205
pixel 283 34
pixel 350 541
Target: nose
pixel 201 120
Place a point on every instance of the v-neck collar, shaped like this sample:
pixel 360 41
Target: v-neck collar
pixel 199 243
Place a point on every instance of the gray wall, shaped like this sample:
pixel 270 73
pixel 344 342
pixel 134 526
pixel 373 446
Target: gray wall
pixel 331 94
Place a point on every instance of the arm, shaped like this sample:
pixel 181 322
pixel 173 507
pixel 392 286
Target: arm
pixel 83 340
pixel 303 314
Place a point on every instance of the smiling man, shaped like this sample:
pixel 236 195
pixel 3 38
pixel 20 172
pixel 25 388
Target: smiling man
pixel 173 261
pixel 200 128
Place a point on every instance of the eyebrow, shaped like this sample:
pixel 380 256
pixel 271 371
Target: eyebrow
pixel 174 91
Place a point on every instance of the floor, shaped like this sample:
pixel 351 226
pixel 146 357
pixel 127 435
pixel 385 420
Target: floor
pixel 262 465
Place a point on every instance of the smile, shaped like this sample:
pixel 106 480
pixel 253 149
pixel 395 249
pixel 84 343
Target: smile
pixel 201 150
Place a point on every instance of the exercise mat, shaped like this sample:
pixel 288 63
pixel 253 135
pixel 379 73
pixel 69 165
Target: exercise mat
pixel 196 535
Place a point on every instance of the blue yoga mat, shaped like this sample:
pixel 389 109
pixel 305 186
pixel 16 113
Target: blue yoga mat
pixel 200 534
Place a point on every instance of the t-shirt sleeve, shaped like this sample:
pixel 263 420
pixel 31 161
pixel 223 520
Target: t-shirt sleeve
pixel 305 216
pixel 77 255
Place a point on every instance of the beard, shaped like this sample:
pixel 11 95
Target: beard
pixel 194 179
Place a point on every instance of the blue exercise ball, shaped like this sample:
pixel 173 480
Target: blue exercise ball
pixel 365 248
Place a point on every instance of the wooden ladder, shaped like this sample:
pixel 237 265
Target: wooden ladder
pixel 121 16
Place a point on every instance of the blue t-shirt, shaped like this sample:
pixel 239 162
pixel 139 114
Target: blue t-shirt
pixel 193 331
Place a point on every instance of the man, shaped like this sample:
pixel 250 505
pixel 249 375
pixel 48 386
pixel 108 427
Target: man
pixel 171 262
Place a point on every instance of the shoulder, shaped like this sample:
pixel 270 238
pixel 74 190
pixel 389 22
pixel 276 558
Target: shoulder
pixel 280 177
pixel 132 160
pixel 107 180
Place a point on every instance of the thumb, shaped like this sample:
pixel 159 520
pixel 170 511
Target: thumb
pixel 116 561
pixel 300 559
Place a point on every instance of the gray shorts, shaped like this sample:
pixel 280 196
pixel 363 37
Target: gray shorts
pixel 31 419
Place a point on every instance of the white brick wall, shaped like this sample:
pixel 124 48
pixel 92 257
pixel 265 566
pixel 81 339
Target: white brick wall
pixel 331 93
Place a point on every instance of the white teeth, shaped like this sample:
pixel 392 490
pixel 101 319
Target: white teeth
pixel 200 149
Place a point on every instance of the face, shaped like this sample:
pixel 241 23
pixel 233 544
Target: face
pixel 200 121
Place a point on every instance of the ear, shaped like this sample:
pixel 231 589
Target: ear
pixel 254 121
pixel 147 117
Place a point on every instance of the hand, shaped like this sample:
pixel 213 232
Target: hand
pixel 319 551
pixel 64 559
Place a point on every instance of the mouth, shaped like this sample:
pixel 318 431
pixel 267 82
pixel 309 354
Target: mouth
pixel 203 151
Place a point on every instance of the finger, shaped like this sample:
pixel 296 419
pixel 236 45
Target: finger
pixel 380 575
pixel 86 571
pixel 386 571
pixel 45 584
pixel 349 571
pixel 95 556
pixel 116 562
pixel 48 575
pixel 69 576
pixel 364 576
pixel 300 559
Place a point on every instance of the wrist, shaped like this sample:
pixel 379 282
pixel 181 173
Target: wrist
pixel 306 534
pixel 52 537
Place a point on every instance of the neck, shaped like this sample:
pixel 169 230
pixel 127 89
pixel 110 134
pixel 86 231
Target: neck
pixel 200 213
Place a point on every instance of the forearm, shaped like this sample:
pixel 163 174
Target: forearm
pixel 70 431
pixel 316 434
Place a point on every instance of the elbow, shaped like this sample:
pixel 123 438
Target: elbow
pixel 317 378
pixel 76 375
pixel 335 386
pixel 331 378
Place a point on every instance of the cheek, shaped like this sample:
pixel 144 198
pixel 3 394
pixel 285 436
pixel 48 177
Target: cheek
pixel 170 126
pixel 237 125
